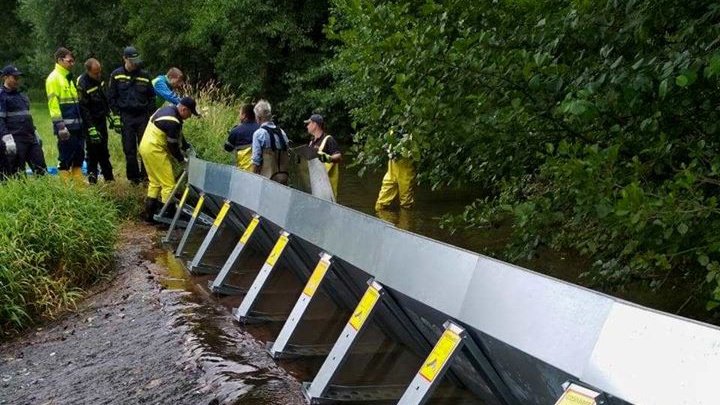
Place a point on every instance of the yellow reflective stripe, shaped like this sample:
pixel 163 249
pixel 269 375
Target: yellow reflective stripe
pixel 142 79
pixel 121 77
pixel 168 118
pixel 92 89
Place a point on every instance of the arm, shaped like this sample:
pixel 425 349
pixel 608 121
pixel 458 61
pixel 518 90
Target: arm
pixel 112 95
pixel 333 149
pixel 3 117
pixel 231 140
pixel 53 95
pixel 163 90
pixel 173 132
pixel 257 143
pixel 150 94
pixel 84 102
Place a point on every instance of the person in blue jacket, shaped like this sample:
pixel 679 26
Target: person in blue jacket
pixel 166 87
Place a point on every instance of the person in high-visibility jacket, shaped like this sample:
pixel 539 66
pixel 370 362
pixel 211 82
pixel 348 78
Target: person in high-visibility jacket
pixel 240 138
pixel 166 87
pixel 326 147
pixel 65 114
pixel 161 140
pixel 399 180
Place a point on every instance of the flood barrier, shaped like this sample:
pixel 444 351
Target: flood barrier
pixel 391 316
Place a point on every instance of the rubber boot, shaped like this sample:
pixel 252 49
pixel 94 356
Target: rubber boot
pixel 65 174
pixel 92 178
pixel 151 205
pixel 170 211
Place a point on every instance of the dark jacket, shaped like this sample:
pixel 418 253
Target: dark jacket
pixel 241 135
pixel 15 115
pixel 131 92
pixel 94 106
pixel 172 130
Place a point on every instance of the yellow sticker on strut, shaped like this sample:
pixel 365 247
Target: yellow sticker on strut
pixel 249 230
pixel 574 395
pixel 199 205
pixel 184 197
pixel 221 215
pixel 440 354
pixel 316 278
pixel 277 250
pixel 366 305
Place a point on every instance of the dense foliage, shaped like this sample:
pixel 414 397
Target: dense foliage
pixel 593 124
pixel 54 239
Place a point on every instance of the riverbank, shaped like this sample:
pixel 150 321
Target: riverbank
pixel 141 339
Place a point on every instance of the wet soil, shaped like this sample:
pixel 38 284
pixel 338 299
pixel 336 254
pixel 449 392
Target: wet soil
pixel 146 337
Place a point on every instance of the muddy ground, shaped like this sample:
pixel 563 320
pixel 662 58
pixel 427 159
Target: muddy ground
pixel 144 338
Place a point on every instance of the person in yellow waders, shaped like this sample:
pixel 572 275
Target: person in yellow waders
pixel 327 149
pixel 161 139
pixel 399 181
pixel 240 138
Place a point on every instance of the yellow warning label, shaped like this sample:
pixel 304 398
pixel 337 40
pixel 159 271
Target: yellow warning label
pixel 221 215
pixel 440 354
pixel 249 230
pixel 316 278
pixel 184 197
pixel 572 397
pixel 277 250
pixel 367 302
pixel 198 207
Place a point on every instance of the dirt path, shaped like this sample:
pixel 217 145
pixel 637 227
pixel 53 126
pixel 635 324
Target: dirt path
pixel 137 342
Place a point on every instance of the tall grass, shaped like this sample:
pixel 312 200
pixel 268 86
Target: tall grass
pixel 220 112
pixel 54 240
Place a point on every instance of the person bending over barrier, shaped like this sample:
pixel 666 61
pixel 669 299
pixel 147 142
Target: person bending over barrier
pixel 162 139
pixel 326 147
pixel 240 138
pixel 166 87
pixel 270 156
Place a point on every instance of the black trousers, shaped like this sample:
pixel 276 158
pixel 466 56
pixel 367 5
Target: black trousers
pixel 30 153
pixel 71 152
pixel 98 154
pixel 132 132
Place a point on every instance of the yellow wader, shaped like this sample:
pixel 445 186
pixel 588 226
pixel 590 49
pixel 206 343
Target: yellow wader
pixel 244 157
pixel 399 179
pixel 332 169
pixel 157 160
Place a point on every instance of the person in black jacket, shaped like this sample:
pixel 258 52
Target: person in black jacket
pixel 95 111
pixel 240 138
pixel 19 143
pixel 132 101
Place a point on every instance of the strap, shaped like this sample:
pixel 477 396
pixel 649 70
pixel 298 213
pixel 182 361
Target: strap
pixel 167 118
pixel 272 132
pixel 322 144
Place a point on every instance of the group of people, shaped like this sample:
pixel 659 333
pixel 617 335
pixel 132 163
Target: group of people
pixel 149 115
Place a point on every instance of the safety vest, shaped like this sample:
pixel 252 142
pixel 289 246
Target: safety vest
pixel 63 99
pixel 331 168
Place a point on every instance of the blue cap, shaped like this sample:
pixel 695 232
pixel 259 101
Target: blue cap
pixel 132 54
pixel 11 70
pixel 316 118
pixel 190 103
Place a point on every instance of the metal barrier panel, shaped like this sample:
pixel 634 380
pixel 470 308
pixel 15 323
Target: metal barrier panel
pixel 537 331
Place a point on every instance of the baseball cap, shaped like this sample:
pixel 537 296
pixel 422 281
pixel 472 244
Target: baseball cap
pixel 10 70
pixel 131 53
pixel 190 103
pixel 316 118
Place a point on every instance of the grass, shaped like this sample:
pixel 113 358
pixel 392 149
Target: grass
pixel 55 238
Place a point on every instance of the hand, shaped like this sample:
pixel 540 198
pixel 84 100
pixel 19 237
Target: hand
pixel 64 134
pixel 115 123
pixel 94 135
pixel 324 157
pixel 10 147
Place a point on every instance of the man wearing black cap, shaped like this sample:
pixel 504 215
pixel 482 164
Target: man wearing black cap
pixel 19 143
pixel 132 101
pixel 161 140
pixel 326 147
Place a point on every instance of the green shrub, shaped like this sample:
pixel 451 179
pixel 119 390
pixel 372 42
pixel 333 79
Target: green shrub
pixel 55 238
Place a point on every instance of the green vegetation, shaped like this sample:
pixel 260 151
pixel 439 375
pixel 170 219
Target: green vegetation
pixel 54 240
pixel 590 126
pixel 220 111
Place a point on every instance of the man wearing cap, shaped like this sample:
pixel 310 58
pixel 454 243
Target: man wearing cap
pixel 132 101
pixel 19 142
pixel 65 115
pixel 95 111
pixel 326 147
pixel 166 87
pixel 161 140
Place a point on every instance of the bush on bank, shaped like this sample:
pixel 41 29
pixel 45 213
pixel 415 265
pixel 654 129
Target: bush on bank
pixel 54 240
